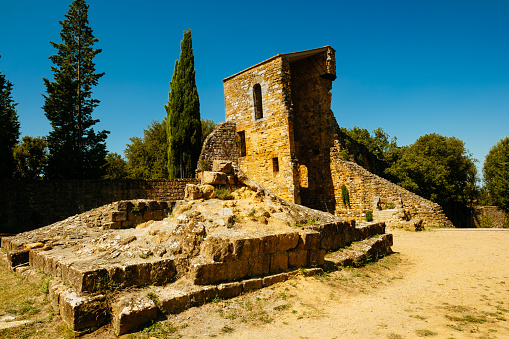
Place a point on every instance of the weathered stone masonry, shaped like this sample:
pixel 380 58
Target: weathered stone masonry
pixel 31 204
pixel 286 138
pixel 287 132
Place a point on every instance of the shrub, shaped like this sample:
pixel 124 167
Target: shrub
pixel 345 196
pixel 369 216
pixel 223 193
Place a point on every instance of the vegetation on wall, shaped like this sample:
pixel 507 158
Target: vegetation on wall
pixel 76 150
pixel 183 115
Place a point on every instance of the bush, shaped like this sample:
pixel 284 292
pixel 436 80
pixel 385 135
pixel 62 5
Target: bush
pixel 223 193
pixel 369 216
pixel 345 196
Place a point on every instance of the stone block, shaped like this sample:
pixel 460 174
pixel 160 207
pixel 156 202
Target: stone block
pixel 259 266
pixel 287 241
pixel 316 257
pixel 214 178
pixel 222 166
pixel 236 270
pixel 114 225
pixel 158 215
pixel 125 206
pixel 309 240
pixel 118 216
pixel 82 311
pixel 246 248
pixel 129 312
pixel 209 273
pixel 278 262
pixel 192 192
pixel 173 300
pixel 229 290
pixel 252 284
pixel 297 258
pixel 274 279
pixel 207 191
pixel 16 258
pixel 148 215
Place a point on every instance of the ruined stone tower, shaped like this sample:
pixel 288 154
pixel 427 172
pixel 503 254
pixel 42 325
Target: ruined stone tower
pixel 284 124
pixel 281 132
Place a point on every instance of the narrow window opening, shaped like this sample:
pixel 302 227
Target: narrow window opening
pixel 257 98
pixel 275 165
pixel 303 176
pixel 242 143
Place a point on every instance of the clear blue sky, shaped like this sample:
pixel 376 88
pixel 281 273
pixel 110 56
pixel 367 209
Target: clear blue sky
pixel 410 67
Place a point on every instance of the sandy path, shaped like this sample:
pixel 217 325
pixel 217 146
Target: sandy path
pixel 454 284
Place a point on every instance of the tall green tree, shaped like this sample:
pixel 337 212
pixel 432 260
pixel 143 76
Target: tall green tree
pixel 438 168
pixel 496 174
pixel 9 128
pixel 147 157
pixel 76 150
pixel 116 167
pixel 183 115
pixel 31 156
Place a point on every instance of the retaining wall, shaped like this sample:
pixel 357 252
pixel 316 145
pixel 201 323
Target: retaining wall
pixel 30 204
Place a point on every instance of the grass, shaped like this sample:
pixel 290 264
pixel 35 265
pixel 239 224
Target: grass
pixel 223 193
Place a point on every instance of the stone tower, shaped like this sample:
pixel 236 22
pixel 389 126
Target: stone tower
pixel 284 124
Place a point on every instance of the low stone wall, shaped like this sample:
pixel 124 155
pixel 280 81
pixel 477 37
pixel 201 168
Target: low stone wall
pixel 30 204
pixel 366 190
pixel 490 216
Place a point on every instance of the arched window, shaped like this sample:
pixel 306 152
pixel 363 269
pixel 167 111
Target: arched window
pixel 257 98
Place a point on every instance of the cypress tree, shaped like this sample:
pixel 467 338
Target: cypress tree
pixel 183 115
pixel 76 150
pixel 9 129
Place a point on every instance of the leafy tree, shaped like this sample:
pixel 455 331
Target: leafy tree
pixel 496 174
pixel 116 167
pixel 76 150
pixel 378 143
pixel 31 157
pixel 183 114
pixel 437 168
pixel 207 126
pixel 9 128
pixel 147 157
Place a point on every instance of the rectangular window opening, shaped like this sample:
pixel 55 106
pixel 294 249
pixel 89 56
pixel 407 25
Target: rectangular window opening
pixel 242 143
pixel 275 165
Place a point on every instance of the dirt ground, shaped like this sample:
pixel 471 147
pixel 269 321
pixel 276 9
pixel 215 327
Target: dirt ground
pixel 441 283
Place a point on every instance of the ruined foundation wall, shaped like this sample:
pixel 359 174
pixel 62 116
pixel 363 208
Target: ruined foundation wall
pixel 30 204
pixel 220 144
pixel 268 137
pixel 365 188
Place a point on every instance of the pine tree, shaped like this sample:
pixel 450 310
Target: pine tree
pixel 183 115
pixel 76 150
pixel 9 129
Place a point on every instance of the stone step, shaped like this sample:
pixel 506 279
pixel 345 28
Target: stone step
pixel 360 253
pixel 133 307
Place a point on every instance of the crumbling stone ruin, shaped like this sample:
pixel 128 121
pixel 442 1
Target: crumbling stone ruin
pixel 129 261
pixel 282 133
pixel 271 163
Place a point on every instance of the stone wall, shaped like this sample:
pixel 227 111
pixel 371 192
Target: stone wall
pixel 313 126
pixel 367 189
pixel 490 216
pixel 267 139
pixel 30 204
pixel 221 144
